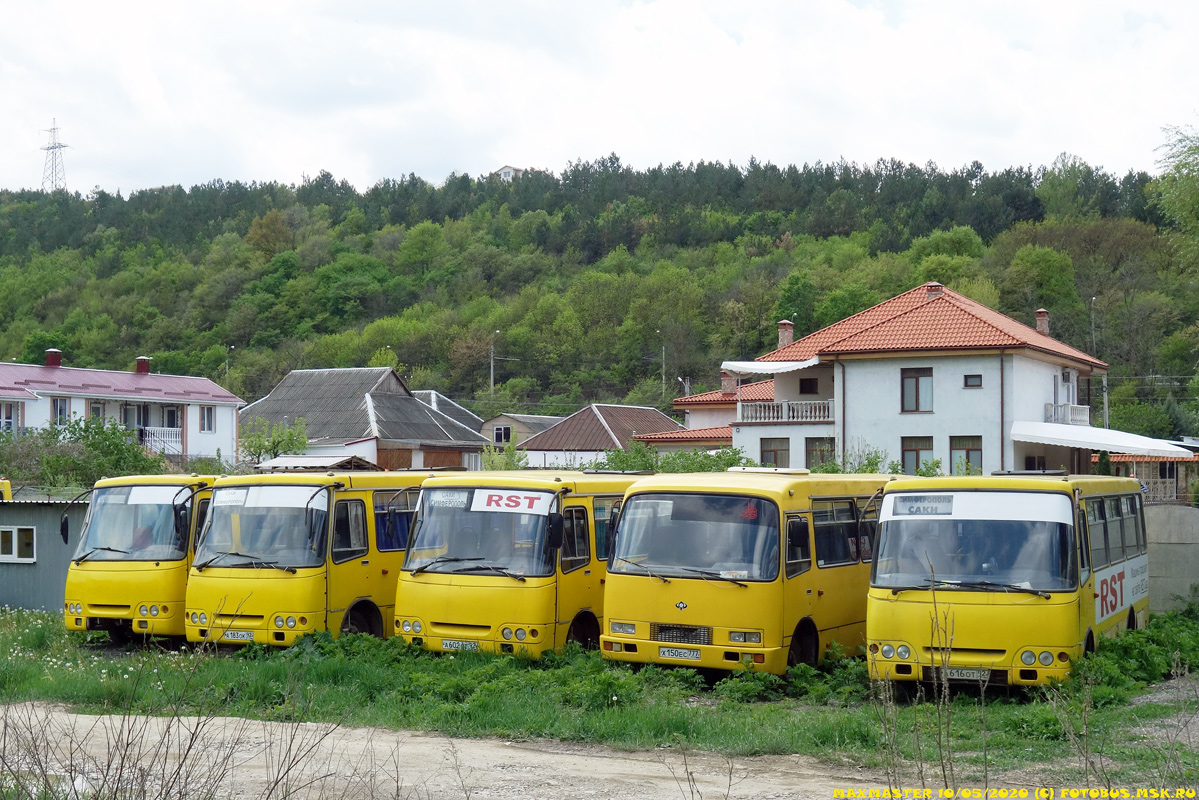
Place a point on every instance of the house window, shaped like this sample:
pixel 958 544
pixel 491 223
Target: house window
pixel 17 544
pixel 96 409
pixel 60 410
pixel 1034 463
pixel 915 451
pixel 972 381
pixel 965 455
pixel 917 389
pixel 819 450
pixel 507 173
pixel 1165 469
pixel 776 452
pixel 170 417
pixel 502 434
pixel 207 419
pixel 809 386
pixel 10 416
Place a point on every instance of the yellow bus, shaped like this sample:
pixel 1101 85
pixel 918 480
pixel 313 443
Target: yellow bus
pixel 5 490
pixel 695 577
pixel 1004 579
pixel 508 562
pixel 129 572
pixel 283 555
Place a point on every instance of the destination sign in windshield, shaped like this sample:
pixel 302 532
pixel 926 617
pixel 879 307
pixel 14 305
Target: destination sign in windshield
pixel 918 505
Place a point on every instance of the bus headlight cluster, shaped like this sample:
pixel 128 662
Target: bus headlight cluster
pixel 1029 658
pixel 199 618
pixel 149 611
pixel 75 608
pixel 520 633
pixel 411 626
pixel 626 628
pixel 745 637
pixel 891 651
pixel 289 622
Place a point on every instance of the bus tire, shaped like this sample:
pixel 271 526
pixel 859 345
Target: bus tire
pixel 1089 647
pixel 584 630
pixel 805 645
pixel 363 618
pixel 1132 619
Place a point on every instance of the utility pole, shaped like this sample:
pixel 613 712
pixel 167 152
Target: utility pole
pixel 54 175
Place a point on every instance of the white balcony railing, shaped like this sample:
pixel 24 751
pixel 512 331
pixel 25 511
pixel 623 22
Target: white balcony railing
pixel 163 440
pixel 787 411
pixel 1066 414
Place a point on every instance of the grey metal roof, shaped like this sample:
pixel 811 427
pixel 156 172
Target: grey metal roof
pixel 347 405
pixel 439 402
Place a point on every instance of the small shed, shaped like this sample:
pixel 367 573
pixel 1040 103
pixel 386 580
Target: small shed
pixel 33 558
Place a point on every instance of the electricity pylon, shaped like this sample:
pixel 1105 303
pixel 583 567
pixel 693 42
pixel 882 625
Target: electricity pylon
pixel 55 174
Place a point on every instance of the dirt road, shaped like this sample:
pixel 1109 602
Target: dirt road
pixel 222 756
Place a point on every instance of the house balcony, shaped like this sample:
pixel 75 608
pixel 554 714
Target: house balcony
pixel 168 441
pixel 786 411
pixel 1066 414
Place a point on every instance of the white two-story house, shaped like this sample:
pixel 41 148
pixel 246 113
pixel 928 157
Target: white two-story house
pixel 929 374
pixel 176 415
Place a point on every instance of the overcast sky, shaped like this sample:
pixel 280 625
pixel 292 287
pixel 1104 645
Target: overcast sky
pixel 152 94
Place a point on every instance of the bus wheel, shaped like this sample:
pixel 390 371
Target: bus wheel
pixel 585 631
pixel 805 646
pixel 120 635
pixel 360 620
pixel 1132 619
pixel 1089 647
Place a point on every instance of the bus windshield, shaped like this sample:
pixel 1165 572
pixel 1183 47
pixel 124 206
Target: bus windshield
pixel 699 536
pixel 273 525
pixel 481 530
pixel 134 523
pixel 977 541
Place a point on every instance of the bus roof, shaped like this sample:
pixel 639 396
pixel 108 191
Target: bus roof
pixel 764 482
pixel 1087 484
pixel 351 480
pixel 577 481
pixel 155 480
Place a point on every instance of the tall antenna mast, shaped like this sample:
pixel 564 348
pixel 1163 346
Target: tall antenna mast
pixel 54 175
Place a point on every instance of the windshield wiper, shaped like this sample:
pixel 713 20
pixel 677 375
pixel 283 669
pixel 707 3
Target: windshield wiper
pixel 1013 587
pixel 648 571
pixel 494 568
pixel 443 560
pixel 83 557
pixel 929 583
pixel 260 562
pixel 708 574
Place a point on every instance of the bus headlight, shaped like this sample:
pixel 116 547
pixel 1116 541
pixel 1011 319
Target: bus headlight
pixel 903 651
pixel 1028 658
pixel 143 610
pixel 745 637
pixel 506 633
pixel 888 651
pixel 1046 658
pixel 203 618
pixel 154 611
pixel 278 622
pixel 291 622
pixel 416 626
pixel 626 628
pixel 520 634
pixel 406 626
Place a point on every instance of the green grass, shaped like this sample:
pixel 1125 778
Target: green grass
pixel 831 713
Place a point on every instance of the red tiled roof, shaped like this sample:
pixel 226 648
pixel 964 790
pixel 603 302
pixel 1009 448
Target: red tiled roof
pixel 929 317
pixel 600 427
pixel 757 392
pixel 721 433
pixel 112 383
pixel 1130 457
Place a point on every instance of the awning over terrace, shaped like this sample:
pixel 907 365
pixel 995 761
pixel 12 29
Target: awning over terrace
pixel 1085 436
pixel 742 368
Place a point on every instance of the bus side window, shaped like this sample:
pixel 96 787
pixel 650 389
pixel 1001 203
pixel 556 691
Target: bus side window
pixel 799 551
pixel 576 550
pixel 604 511
pixel 393 519
pixel 201 517
pixel 1098 530
pixel 1134 535
pixel 867 529
pixel 1115 543
pixel 835 525
pixel 1134 510
pixel 349 530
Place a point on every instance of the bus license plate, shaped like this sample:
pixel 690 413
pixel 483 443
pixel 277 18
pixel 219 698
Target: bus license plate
pixel 678 652
pixel 239 636
pixel 454 644
pixel 960 674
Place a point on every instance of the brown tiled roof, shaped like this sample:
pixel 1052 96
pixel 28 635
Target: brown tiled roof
pixel 1132 457
pixel 720 433
pixel 600 427
pixel 757 392
pixel 929 317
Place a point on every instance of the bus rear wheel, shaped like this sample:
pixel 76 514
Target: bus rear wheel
pixel 585 631
pixel 361 620
pixel 805 646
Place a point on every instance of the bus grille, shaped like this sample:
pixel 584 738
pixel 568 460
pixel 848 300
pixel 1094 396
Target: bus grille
pixel 680 634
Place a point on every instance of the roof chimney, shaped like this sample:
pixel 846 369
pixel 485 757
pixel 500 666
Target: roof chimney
pixel 728 384
pixel 934 290
pixel 143 365
pixel 1042 321
pixel 53 357
pixel 786 332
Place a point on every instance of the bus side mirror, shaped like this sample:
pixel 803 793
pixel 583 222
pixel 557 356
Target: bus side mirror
pixel 553 531
pixel 63 526
pixel 797 539
pixel 181 524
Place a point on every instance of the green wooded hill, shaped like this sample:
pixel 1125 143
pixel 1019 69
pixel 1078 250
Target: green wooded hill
pixel 576 282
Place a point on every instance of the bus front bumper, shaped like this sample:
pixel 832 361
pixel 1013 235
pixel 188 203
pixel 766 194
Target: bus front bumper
pixel 726 657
